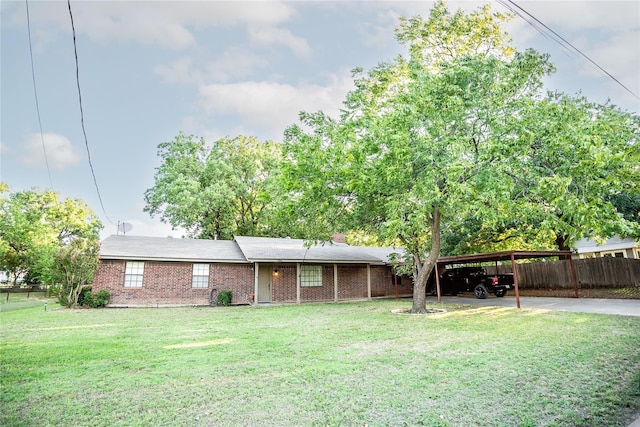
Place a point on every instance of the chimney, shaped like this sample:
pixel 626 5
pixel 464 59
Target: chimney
pixel 338 238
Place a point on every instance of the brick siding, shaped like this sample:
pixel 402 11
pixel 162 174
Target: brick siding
pixel 169 283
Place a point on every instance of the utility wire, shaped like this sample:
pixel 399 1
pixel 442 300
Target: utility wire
pixel 35 94
pixel 86 142
pixel 513 7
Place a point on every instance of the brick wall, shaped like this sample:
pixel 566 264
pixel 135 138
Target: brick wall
pixel 383 282
pixel 320 293
pixel 352 282
pixel 167 283
pixel 283 286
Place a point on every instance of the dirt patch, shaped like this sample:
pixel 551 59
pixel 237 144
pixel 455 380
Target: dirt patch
pixel 429 311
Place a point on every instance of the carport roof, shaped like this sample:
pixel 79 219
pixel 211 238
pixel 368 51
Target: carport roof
pixel 500 256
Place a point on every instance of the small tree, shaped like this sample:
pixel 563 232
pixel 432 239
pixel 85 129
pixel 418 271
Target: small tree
pixel 73 269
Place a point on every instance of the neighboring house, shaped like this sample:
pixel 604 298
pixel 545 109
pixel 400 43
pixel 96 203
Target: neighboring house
pixel 613 247
pixel 152 271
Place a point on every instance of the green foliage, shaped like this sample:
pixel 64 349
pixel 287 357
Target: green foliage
pixel 418 138
pixel 100 299
pixel 457 137
pixel 34 225
pixel 214 191
pixel 86 298
pixel 73 269
pixel 224 298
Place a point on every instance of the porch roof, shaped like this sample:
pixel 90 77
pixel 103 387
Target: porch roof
pixel 273 250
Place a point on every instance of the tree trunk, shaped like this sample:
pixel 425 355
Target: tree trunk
pixel 561 243
pixel 424 268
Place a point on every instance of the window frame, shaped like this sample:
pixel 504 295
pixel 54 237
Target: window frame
pixel 133 274
pixel 197 275
pixel 310 276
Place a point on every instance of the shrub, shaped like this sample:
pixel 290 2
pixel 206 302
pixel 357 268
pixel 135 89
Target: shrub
pixel 224 298
pixel 100 298
pixel 85 299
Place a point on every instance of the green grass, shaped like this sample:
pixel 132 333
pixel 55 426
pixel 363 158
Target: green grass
pixel 351 364
pixel 22 300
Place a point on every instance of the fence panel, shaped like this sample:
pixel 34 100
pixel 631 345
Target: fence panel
pixel 591 273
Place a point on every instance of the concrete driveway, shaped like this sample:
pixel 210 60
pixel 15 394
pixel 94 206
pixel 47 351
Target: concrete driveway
pixel 625 307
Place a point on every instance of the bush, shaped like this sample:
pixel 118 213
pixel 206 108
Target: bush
pixel 100 298
pixel 224 298
pixel 86 298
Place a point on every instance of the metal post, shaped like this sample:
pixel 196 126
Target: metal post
pixel 438 283
pixel 515 280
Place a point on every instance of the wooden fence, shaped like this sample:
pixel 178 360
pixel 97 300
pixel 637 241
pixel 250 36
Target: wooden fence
pixel 591 273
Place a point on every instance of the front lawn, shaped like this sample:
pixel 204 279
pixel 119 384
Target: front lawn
pixel 349 364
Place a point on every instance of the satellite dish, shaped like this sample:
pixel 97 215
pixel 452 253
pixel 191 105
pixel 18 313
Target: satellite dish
pixel 124 227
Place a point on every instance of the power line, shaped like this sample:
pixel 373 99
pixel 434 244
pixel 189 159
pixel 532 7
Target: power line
pixel 84 132
pixel 558 39
pixel 35 94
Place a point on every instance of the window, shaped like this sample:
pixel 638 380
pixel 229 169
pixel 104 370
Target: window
pixel 133 274
pixel 200 276
pixel 311 275
pixel 614 255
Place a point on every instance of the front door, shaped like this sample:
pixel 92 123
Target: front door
pixel 264 283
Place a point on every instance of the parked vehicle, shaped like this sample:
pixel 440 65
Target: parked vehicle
pixel 471 279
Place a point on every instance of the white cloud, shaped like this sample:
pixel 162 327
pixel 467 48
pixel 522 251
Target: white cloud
pixel 272 36
pixel 168 24
pixel 270 106
pixel 234 63
pixel 60 153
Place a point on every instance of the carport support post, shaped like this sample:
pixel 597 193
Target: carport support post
pixel 515 279
pixel 438 283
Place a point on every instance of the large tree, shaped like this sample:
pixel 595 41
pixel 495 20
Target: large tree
pixel 214 192
pixel 34 225
pixel 573 158
pixel 428 141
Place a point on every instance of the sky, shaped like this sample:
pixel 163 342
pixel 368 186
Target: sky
pixel 149 70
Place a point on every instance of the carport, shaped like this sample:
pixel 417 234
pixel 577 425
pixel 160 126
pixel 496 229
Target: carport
pixel 505 256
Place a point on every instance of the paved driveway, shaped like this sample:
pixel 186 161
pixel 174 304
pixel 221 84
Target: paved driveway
pixel 625 307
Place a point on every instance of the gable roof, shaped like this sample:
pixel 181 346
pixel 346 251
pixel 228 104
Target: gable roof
pixel 266 249
pixel 241 250
pixel 170 249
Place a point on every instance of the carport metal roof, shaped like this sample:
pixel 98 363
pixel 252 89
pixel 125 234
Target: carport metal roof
pixel 505 256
